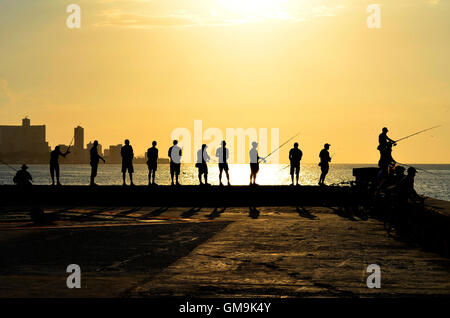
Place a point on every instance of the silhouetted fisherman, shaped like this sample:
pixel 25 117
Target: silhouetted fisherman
pixel 295 155
pixel 95 158
pixel 390 178
pixel 175 161
pixel 254 162
pixel 385 147
pixel 223 154
pixel 383 139
pixel 399 174
pixel 54 163
pixel 386 157
pixel 324 164
pixel 127 162
pixel 152 163
pixel 406 187
pixel 23 177
pixel 202 159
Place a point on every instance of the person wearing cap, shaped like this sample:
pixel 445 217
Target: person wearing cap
pixel 406 187
pixel 95 159
pixel 295 155
pixel 383 139
pixel 23 177
pixel 324 163
pixel 385 147
pixel 254 162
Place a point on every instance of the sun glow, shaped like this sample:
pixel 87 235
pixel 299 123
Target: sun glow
pixel 256 9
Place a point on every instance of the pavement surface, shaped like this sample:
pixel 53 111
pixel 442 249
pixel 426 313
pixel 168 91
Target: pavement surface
pixel 210 252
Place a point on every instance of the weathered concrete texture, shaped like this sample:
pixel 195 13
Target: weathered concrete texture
pixel 287 255
pixel 206 252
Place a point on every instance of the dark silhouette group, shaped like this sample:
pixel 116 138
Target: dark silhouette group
pixel 391 179
pixel 175 153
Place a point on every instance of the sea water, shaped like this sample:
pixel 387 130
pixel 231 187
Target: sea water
pixel 431 180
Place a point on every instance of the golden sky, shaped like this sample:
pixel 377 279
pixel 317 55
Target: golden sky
pixel 138 69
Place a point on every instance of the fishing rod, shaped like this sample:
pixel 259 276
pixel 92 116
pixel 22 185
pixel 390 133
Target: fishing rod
pixel 70 144
pixel 420 169
pixel 419 132
pixel 264 159
pixel 8 165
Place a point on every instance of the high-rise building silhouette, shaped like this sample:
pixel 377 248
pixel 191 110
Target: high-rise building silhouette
pixel 112 155
pixel 78 133
pixel 79 153
pixel 25 140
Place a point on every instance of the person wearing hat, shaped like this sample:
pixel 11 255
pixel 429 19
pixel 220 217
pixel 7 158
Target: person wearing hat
pixel 23 177
pixel 385 147
pixel 95 159
pixel 324 163
pixel 383 139
pixel 254 162
pixel 406 187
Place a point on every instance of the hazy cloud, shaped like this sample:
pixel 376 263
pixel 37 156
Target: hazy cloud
pixel 218 14
pixel 7 96
pixel 117 18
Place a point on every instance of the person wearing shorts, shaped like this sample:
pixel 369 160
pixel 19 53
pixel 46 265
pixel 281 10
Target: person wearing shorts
pixel 127 161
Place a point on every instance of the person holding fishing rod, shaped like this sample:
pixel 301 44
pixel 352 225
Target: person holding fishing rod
pixel 274 151
pixel 385 147
pixel 54 163
pixel 95 159
pixel 254 162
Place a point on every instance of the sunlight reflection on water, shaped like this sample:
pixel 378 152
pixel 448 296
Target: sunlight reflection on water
pixel 435 184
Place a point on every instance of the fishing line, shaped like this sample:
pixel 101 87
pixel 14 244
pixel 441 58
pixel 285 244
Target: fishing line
pixel 279 147
pixel 419 132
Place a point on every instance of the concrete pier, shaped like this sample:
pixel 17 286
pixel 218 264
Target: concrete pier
pixel 268 251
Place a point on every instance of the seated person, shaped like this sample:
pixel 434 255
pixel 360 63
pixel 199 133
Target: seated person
pixel 23 177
